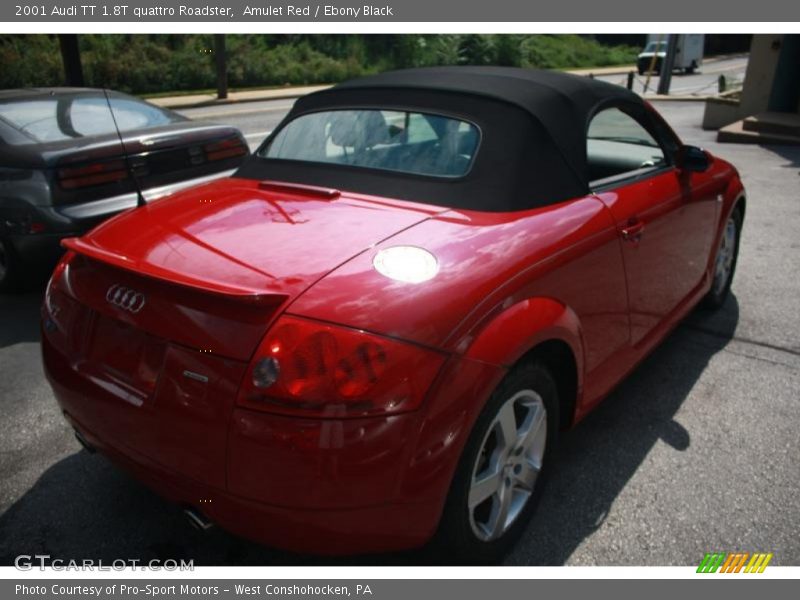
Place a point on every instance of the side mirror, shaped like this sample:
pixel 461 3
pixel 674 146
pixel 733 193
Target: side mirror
pixel 692 158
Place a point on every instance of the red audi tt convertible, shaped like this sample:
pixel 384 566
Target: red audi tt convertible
pixel 370 336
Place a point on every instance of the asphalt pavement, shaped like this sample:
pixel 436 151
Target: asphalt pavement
pixel 696 451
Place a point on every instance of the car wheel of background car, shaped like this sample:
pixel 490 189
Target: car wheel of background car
pixel 500 478
pixel 9 276
pixel 725 262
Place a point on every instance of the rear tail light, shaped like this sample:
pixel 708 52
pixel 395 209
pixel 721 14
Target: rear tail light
pixel 307 368
pixel 52 315
pixel 225 149
pixel 71 178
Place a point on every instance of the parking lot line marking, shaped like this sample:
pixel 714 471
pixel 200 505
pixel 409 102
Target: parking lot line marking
pixel 258 134
pixel 227 113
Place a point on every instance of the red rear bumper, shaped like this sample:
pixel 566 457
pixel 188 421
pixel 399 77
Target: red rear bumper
pixel 318 531
pixel 323 486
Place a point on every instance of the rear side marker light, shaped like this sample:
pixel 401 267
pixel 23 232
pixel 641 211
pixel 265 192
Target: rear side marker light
pixel 307 368
pixel 23 225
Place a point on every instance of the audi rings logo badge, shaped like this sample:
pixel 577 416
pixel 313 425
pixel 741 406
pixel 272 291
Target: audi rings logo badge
pixel 125 298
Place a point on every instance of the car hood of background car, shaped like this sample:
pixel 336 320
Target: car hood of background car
pixel 243 237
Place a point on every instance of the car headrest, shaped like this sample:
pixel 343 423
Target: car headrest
pixel 343 129
pixel 359 129
pixel 374 128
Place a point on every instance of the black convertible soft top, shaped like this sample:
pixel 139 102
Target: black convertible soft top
pixel 533 134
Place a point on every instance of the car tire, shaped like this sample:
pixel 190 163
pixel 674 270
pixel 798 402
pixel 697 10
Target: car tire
pixel 725 259
pixel 9 267
pixel 472 529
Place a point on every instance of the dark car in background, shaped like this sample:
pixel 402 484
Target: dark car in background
pixel 64 167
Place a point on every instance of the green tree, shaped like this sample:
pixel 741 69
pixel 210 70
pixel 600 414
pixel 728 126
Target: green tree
pixel 476 49
pixel 508 51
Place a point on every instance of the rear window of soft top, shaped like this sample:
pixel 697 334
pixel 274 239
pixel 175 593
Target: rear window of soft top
pixel 391 140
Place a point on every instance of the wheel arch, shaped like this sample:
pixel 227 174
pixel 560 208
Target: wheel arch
pixel 740 204
pixel 542 329
pixel 557 356
pixel 736 197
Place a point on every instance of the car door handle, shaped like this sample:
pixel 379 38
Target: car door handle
pixel 632 232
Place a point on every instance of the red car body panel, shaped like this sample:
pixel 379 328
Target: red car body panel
pixel 606 275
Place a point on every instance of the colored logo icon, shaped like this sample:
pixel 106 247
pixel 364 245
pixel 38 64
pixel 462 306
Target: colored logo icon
pixel 734 562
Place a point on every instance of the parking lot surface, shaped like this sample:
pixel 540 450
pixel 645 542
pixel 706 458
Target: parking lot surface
pixel 696 451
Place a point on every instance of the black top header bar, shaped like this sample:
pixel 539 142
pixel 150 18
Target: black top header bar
pixel 355 11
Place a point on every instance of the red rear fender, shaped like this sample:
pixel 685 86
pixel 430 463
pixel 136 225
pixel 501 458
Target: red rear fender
pixel 516 330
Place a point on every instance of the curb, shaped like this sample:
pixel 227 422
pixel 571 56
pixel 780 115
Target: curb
pixel 175 103
pixel 683 98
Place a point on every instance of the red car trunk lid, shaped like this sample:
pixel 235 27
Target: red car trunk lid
pixel 229 325
pixel 240 237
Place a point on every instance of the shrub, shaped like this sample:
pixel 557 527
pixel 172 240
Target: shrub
pixel 143 64
pixel 30 60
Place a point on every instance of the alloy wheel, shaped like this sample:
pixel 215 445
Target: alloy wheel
pixel 727 252
pixel 508 465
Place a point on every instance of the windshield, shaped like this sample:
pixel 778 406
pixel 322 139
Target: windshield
pixel 69 116
pixel 408 142
pixel 656 47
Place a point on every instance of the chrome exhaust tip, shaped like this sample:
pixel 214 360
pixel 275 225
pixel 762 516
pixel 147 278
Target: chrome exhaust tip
pixel 84 442
pixel 197 519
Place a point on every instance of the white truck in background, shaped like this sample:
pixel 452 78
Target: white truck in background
pixel 688 53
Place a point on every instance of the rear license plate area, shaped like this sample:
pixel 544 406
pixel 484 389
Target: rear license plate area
pixel 124 360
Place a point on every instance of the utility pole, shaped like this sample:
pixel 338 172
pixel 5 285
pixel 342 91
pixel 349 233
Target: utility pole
pixel 71 58
pixel 666 67
pixel 222 68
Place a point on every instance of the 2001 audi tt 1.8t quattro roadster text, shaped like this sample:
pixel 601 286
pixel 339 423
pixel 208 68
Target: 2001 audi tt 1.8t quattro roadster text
pixel 371 335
